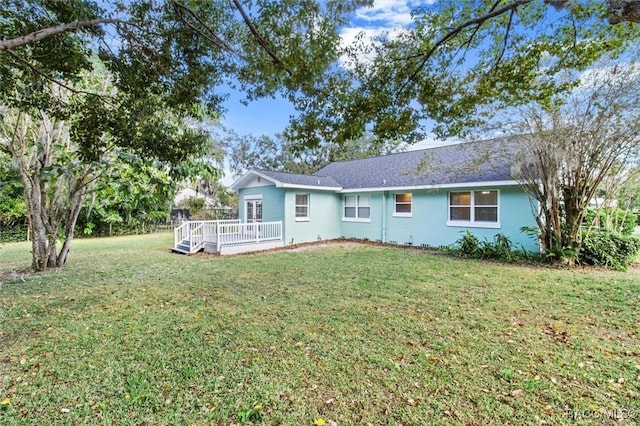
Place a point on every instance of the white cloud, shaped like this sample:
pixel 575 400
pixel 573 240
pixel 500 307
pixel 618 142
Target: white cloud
pixel 390 17
pixel 595 77
pixel 391 13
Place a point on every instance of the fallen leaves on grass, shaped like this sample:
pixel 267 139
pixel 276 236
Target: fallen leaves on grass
pixel 517 392
pixel 557 335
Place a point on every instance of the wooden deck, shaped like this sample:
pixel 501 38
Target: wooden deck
pixel 226 236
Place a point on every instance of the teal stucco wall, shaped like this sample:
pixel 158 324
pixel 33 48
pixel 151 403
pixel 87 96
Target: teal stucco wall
pixel 272 202
pixel 426 226
pixel 428 222
pixel 323 222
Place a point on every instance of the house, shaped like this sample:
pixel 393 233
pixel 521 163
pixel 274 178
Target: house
pixel 187 192
pixel 429 197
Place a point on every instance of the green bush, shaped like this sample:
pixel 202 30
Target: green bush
pixel 612 220
pixel 608 249
pixel 468 246
pixel 501 248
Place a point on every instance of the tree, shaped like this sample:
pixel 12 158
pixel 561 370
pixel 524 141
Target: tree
pixel 568 151
pixel 164 62
pixel 459 63
pixel 628 193
pixel 185 50
pixel 53 188
pixel 59 156
pixel 284 155
pixel 130 194
pixel 12 208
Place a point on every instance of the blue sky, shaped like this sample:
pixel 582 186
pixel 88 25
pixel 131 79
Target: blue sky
pixel 270 116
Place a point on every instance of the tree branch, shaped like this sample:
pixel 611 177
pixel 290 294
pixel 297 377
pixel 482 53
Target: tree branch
pixel 457 30
pixel 260 39
pixel 479 25
pixel 211 37
pixel 506 39
pixel 623 10
pixel 7 45
pixel 48 77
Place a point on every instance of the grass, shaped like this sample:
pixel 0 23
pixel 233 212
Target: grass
pixel 130 334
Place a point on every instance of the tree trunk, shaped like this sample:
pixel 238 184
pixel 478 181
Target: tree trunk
pixel 33 199
pixel 77 198
pixel 35 147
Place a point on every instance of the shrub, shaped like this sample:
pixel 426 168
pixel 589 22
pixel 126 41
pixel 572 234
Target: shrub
pixel 501 248
pixel 468 246
pixel 608 249
pixel 612 220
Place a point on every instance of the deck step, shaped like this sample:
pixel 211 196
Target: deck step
pixel 183 247
pixel 179 250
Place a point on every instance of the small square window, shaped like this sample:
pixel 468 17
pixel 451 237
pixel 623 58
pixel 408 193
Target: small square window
pixel 302 206
pixel 403 204
pixel 357 207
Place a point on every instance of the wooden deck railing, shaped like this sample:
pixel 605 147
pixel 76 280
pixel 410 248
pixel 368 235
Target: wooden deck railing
pixel 243 233
pixel 225 232
pixel 197 232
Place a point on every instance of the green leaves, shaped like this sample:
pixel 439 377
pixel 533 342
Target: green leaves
pixel 459 63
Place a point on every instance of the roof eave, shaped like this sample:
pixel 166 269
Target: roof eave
pixel 235 186
pixel 318 188
pixel 482 184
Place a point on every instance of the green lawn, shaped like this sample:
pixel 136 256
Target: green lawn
pixel 128 333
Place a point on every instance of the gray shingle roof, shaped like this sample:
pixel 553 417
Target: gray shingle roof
pixel 481 161
pixel 302 180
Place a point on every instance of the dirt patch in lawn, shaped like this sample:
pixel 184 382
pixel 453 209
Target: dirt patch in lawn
pixel 318 245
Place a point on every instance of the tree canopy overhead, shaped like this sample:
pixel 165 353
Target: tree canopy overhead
pixel 457 62
pixel 462 60
pixel 177 54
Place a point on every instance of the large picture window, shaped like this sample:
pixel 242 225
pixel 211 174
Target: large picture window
pixel 474 207
pixel 302 206
pixel 357 207
pixel 402 204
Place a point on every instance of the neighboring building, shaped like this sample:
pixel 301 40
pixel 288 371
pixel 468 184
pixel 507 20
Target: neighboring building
pixel 429 197
pixel 186 193
pixel 602 203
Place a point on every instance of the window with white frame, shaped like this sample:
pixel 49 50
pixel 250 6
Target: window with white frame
pixel 302 206
pixel 478 208
pixel 357 207
pixel 402 204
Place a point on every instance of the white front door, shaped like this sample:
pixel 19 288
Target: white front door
pixel 253 211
